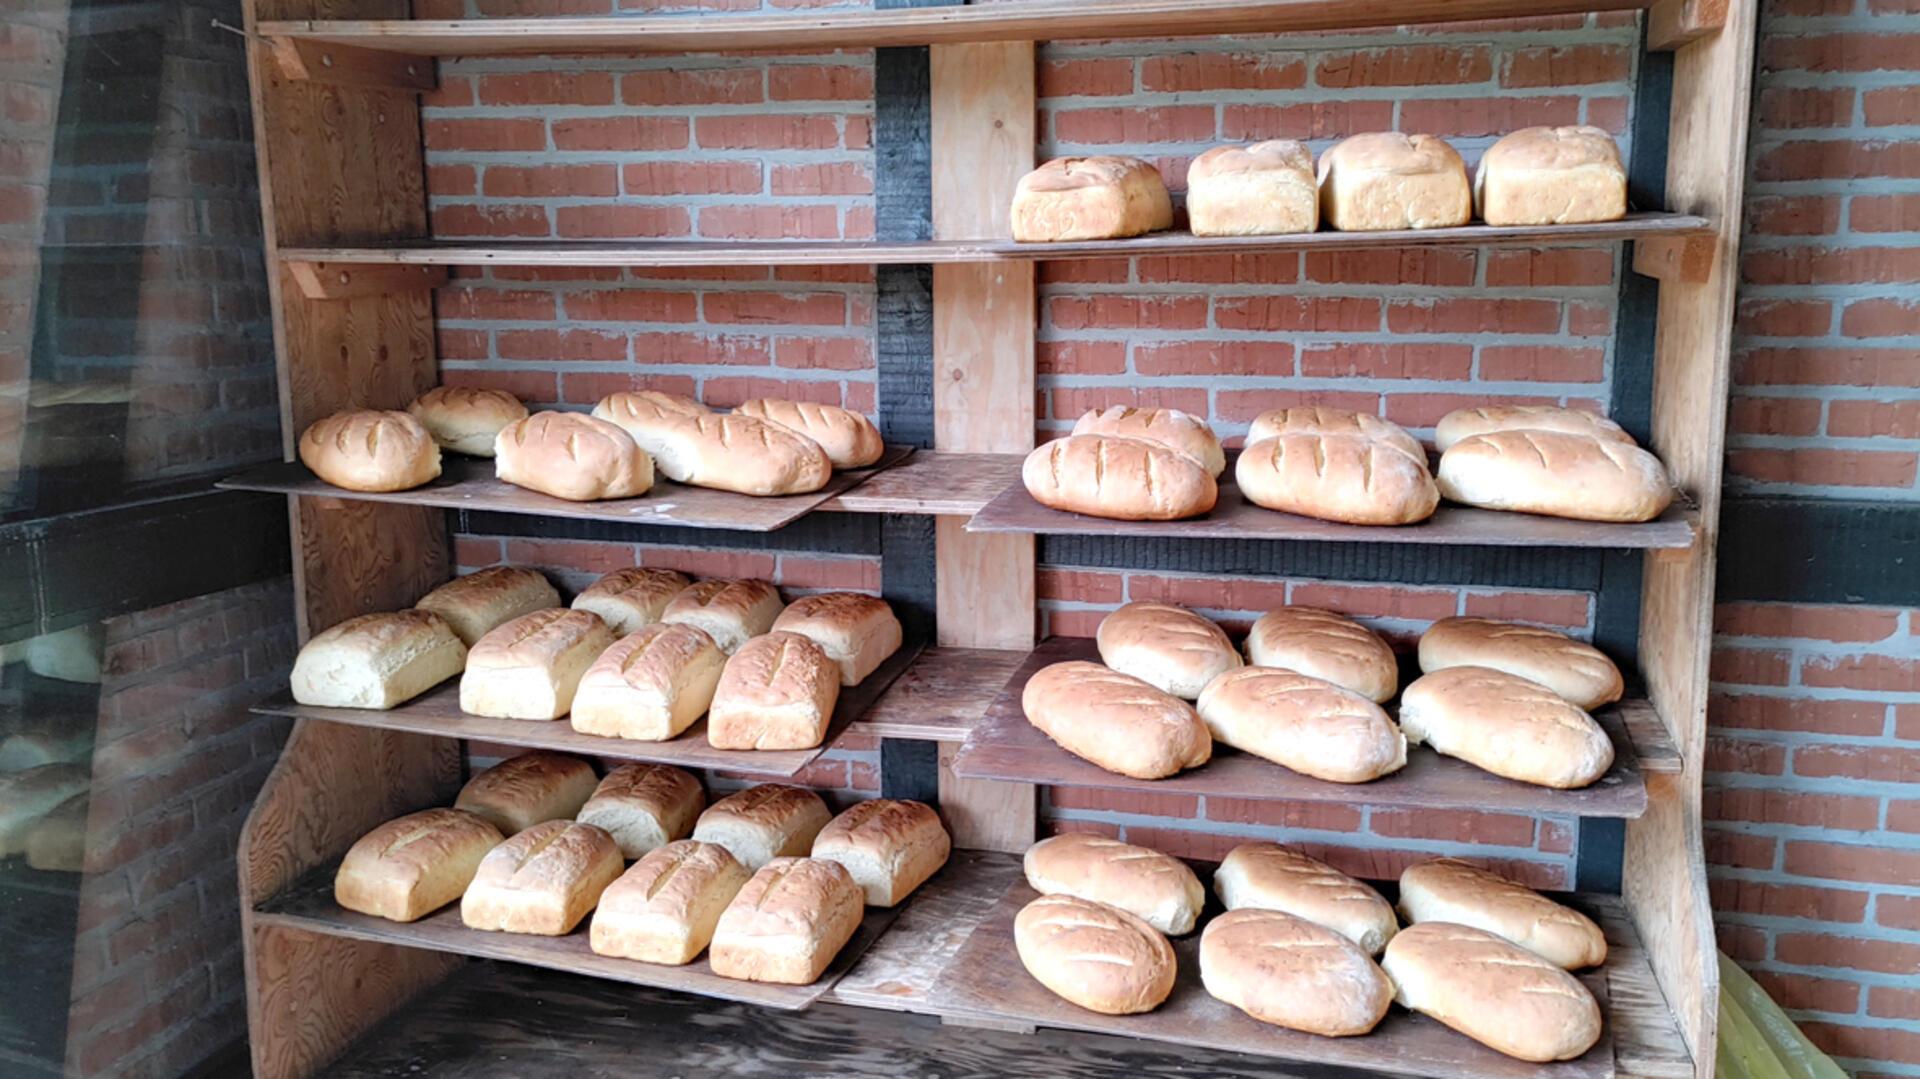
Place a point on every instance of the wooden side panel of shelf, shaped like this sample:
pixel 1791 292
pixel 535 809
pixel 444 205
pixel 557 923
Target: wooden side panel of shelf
pixel 1665 881
pixel 338 163
pixel 983 334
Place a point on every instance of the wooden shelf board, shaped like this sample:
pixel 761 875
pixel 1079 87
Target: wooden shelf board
pixel 438 713
pixel 941 696
pixel 1636 226
pixel 929 482
pixel 1004 746
pixel 468 483
pixel 309 905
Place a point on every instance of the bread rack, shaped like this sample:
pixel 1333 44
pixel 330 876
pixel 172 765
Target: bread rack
pixel 337 126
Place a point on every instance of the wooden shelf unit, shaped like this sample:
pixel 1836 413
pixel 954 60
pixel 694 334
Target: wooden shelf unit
pixel 343 193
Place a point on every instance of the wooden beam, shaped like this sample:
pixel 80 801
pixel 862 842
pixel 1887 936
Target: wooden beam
pixel 1688 260
pixel 354 65
pixel 340 281
pixel 1673 23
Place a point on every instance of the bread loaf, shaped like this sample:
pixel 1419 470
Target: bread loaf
pixel 1555 474
pixel 1125 479
pixel 643 414
pixel 1115 720
pixel 1268 876
pixel 1315 728
pixel 523 791
pixel 1450 890
pixel 1157 888
pixel 543 880
pixel 1090 198
pixel 1495 992
pixel 660 400
pixel 57 842
pixel 377 660
pixel 1579 672
pixel 466 419
pixel 1551 176
pixel 1387 180
pixel 1345 478
pixel 1264 189
pixel 788 922
pixel 724 451
pixel 889 846
pixel 1169 427
pixel 664 908
pixel 1170 648
pixel 65 655
pixel 477 603
pixel 571 456
pixel 729 611
pixel 762 823
pixel 1328 646
pixel 1319 420
pixel 530 667
pixel 857 631
pixel 27 796
pixel 31 749
pixel 368 450
pixel 644 807
pixel 1507 725
pixel 1485 420
pixel 1292 973
pixel 1099 957
pixel 777 692
pixel 849 438
pixel 628 599
pixel 649 686
pixel 410 867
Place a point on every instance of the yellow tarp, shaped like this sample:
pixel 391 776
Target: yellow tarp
pixel 1757 1040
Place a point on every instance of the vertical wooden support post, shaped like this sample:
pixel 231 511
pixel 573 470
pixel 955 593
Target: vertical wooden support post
pixel 983 388
pixel 338 163
pixel 1665 878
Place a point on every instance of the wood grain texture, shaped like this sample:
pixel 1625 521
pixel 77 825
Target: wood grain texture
pixel 898 973
pixel 346 280
pixel 351 65
pixel 941 696
pixel 933 483
pixel 1673 23
pixel 1681 259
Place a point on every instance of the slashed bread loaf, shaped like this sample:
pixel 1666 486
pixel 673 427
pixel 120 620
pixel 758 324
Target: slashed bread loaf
pixel 649 686
pixel 1127 479
pixel 1099 957
pixel 788 922
pixel 628 599
pixel 724 451
pixel 1157 888
pixel 1168 647
pixel 370 450
pixel 377 660
pixel 762 823
pixel 1346 478
pixel 777 692
pixel 890 846
pixel 1287 971
pixel 1090 198
pixel 1450 890
pixel 664 908
pixel 1507 725
pixel 644 806
pixel 1312 727
pixel 1551 176
pixel 1264 189
pixel 543 880
pixel 523 791
pixel 1115 720
pixel 1268 876
pixel 730 611
pixel 412 866
pixel 857 631
pixel 466 419
pixel 1331 647
pixel 1486 419
pixel 849 438
pixel 1387 180
pixel 1169 427
pixel 1556 474
pixel 1579 672
pixel 1322 420
pixel 1493 991
pixel 529 668
pixel 478 602
pixel 572 456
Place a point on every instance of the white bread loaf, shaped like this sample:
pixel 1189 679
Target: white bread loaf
pixel 1264 189
pixel 777 692
pixel 1551 176
pixel 1157 888
pixel 1099 957
pixel 1320 420
pixel 628 599
pixel 572 456
pixel 1486 419
pixel 724 451
pixel 477 603
pixel 729 611
pixel 530 667
pixel 1346 478
pixel 1268 876
pixel 1493 991
pixel 644 807
pixel 762 823
pixel 649 686
pixel 412 866
pixel 1292 973
pixel 1170 648
pixel 370 450
pixel 788 922
pixel 1115 720
pixel 1312 727
pixel 1090 198
pixel 466 419
pixel 1126 479
pixel 1555 474
pixel 661 400
pixel 664 908
pixel 523 791
pixel 1579 672
pixel 849 438
pixel 1169 427
pixel 543 880
pixel 1328 646
pixel 1387 180
pixel 1450 890
pixel 889 846
pixel 857 631
pixel 377 660
pixel 1507 725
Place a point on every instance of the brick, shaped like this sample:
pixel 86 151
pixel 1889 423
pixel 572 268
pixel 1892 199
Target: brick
pixel 1557 267
pixel 1197 71
pixel 1542 363
pixel 632 305
pixel 1085 272
pixel 1894 106
pixel 820 82
pixel 1217 593
pixel 1805 621
pixel 855 574
pixel 709 563
pixel 1785 318
pixel 551 181
pixel 534 387
pixel 1787 107
pixel 1473 316
pixel 1081 357
pixel 712 86
pixel 1753 712
pixel 1882 673
pixel 1791 416
pixel 1897 912
pixel 1830 950
pixel 1744 756
pixel 1795 215
pixel 1307 120
pixel 1887 1002
pixel 1127 312
pixel 1297 313
pixel 1323 816
pixel 1242 269
pixel 1445 362
pixel 1214 358
pixel 477 552
pixel 1454 825
pixel 547 88
pixel 1835 861
pixel 1425 409
pixel 1569 610
pixel 831 178
pixel 1486 116
pixel 1133 126
pixel 453 180
pixel 1831 266
pixel 624 133
pixel 1085 586
pixel 1837 160
pixel 1838 468
pixel 1567 65
pixel 1096 77
pixel 493 303
pixel 824 353
pixel 560 345
pixel 762 222
pixel 1379 601
pixel 805 309
pixel 1837 52
pixel 691 178
pixel 1827 367
pixel 1405 65
pixel 767 132
pixel 1181 843
pixel 1739 851
pixel 521 135
pixel 1805 992
pixel 1903 816
pixel 621 222
pixel 1070 402
pixel 728 392
pixel 1880 318
pixel 1435 267
pixel 1143 803
pixel 1731 894
pixel 1881 764
pixel 1770 806
pixel 1073 623
pixel 701 348
pixel 1874 419
pixel 1742 943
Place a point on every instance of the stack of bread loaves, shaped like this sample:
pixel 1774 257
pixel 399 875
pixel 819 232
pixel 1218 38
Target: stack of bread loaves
pixel 1336 465
pixel 1129 464
pixel 1560 462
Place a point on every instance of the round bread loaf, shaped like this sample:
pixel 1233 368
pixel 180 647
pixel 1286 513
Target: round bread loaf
pixel 1345 478
pixel 1170 648
pixel 1485 420
pixel 1555 474
pixel 572 456
pixel 1090 198
pixel 1264 189
pixel 1551 176
pixel 1450 890
pixel 1157 888
pixel 1268 876
pixel 1312 727
pixel 1506 725
pixel 1292 973
pixel 369 450
pixel 849 438
pixel 1170 427
pixel 628 599
pixel 1327 646
pixel 1115 720
pixel 1099 957
pixel 466 419
pixel 1319 420
pixel 1387 180
pixel 1493 991
pixel 1125 479
pixel 1579 672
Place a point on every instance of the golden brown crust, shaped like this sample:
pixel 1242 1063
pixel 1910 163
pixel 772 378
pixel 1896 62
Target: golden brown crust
pixel 1450 890
pixel 1319 420
pixel 1099 957
pixel 890 846
pixel 1486 419
pixel 650 685
pixel 1551 176
pixel 1579 672
pixel 1170 648
pixel 1115 720
pixel 1346 478
pixel 857 631
pixel 849 438
pixel 723 451
pixel 630 598
pixel 1328 646
pixel 573 456
pixel 412 866
pixel 1169 427
pixel 1126 479
pixel 478 602
pixel 1267 188
pixel 1389 180
pixel 523 791
pixel 1157 888
pixel 644 806
pixel 1312 727
pixel 543 880
pixel 1493 991
pixel 377 660
pixel 1268 876
pixel 370 450
pixel 664 909
pixel 1559 475
pixel 466 419
pixel 731 611
pixel 1507 725
pixel 777 692
pixel 1287 971
pixel 788 922
pixel 772 820
pixel 1090 198
pixel 534 640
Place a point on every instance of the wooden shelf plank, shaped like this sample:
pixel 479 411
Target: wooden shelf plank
pixel 931 482
pixel 1041 20
pixel 941 696
pixel 438 713
pixel 1005 746
pixel 1664 227
pixel 468 483
pixel 309 905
